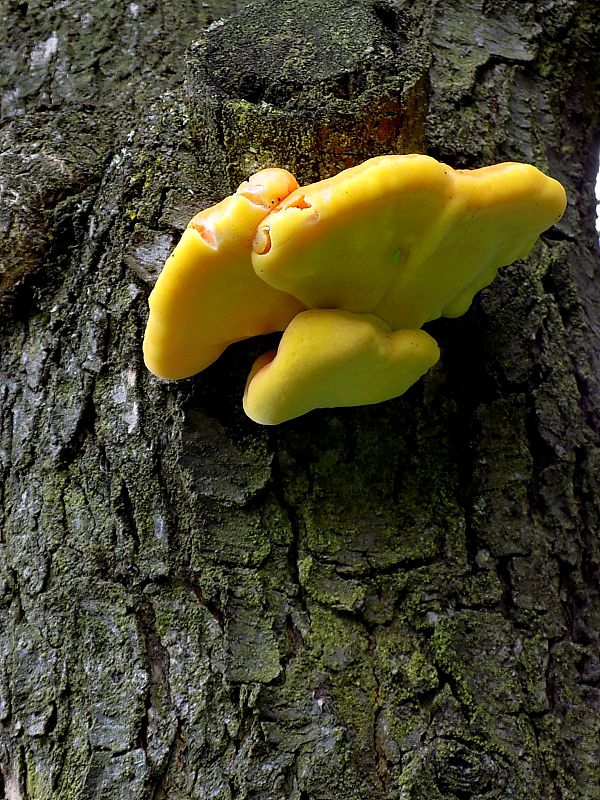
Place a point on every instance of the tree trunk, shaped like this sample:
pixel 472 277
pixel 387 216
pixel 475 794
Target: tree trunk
pixel 395 601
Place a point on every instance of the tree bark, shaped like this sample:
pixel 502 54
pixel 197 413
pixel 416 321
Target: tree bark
pixel 396 601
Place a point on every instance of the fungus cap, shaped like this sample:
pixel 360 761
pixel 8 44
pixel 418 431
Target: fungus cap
pixel 329 358
pixel 404 237
pixel 207 295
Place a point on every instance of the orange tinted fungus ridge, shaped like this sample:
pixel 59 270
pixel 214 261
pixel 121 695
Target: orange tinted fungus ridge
pixel 299 202
pixel 262 241
pixel 208 234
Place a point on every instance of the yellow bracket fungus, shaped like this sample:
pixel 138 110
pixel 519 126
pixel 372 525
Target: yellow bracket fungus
pixel 329 358
pixel 207 295
pixel 404 237
pixel 349 268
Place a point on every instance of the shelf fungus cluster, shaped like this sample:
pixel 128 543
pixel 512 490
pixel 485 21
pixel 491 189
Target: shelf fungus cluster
pixel 349 269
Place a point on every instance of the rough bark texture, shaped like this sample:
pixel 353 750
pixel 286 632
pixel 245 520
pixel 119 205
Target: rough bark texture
pixel 398 601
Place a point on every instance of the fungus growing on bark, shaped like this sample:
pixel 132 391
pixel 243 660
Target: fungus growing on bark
pixel 373 253
pixel 329 358
pixel 404 237
pixel 207 295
